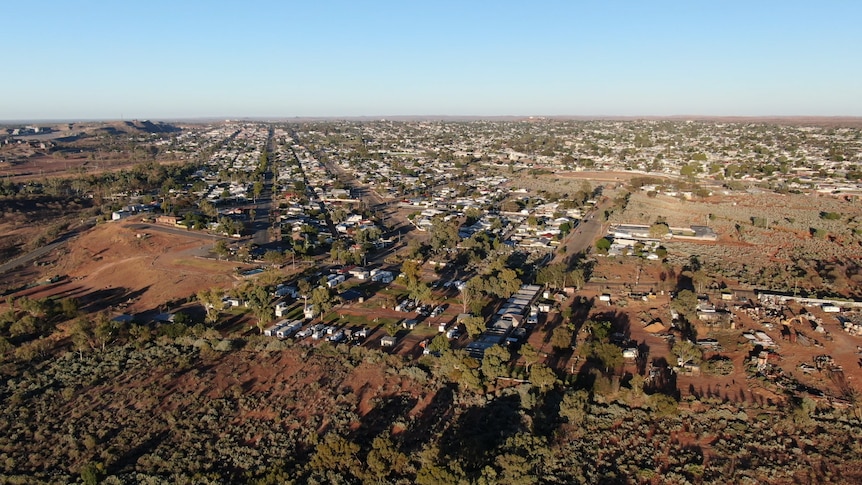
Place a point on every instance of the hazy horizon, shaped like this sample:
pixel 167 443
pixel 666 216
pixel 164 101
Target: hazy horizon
pixel 107 61
pixel 276 119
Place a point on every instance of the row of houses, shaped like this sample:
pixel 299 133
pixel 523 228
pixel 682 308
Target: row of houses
pixel 512 314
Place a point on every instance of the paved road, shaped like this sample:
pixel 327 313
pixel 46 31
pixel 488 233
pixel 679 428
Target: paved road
pixel 177 231
pixel 388 211
pixel 583 236
pixel 259 227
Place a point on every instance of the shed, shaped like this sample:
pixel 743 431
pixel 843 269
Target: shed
pixel 388 341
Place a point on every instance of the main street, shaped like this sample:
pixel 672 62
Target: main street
pixel 582 237
pixel 387 210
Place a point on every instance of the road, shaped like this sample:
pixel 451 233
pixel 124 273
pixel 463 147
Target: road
pixel 261 223
pixel 177 231
pixel 582 237
pixel 44 250
pixel 386 210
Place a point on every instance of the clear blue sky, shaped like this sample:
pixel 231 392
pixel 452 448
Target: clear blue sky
pixel 180 59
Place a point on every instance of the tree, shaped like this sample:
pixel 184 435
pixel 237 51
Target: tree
pixel 553 275
pixel 337 252
pixel 430 473
pixel 82 336
pixel 689 170
pixel 663 405
pixel 474 325
pixel 259 301
pixel 574 406
pixel 208 209
pixel 25 325
pixel 411 270
pixel 687 352
pixel 600 330
pixel 33 349
pixel 529 354
pixel 458 366
pixel 257 189
pixel 105 330
pixel 659 230
pixel 609 355
pixel 212 302
pixel 444 234
pixel 36 308
pixel 508 283
pixel 439 343
pixel 561 337
pixel 576 278
pixel 367 235
pixel 305 290
pixel 421 292
pixel 685 303
pixel 542 376
pixel 5 347
pixel 69 307
pixel 494 363
pixel 384 459
pixel 700 280
pixel 92 473
pixel 321 298
pixel 602 245
pixel 470 293
pixel 334 452
pixel 221 249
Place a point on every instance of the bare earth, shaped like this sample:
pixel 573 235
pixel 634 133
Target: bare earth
pixel 111 266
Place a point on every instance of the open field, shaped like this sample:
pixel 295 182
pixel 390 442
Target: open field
pixel 771 241
pixel 115 266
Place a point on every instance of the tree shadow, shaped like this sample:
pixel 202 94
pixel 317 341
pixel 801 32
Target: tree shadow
pixel 98 300
pixel 620 325
pixel 581 311
pixel 130 457
pixel 480 430
pixel 547 416
pixel 586 376
pixel 661 378
pixel 381 417
pixel 432 420
pixel 643 357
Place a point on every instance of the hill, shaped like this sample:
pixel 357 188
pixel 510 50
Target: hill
pixel 135 126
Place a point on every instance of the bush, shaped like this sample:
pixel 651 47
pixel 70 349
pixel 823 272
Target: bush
pixel 719 366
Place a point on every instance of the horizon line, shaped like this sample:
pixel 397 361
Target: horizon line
pixel 402 117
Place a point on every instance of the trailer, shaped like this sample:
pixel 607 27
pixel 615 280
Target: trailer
pixel 271 331
pixel 336 337
pixel 289 329
pixel 281 309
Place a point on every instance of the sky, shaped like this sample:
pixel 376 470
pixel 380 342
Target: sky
pixel 183 59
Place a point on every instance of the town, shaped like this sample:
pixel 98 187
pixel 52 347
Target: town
pixel 558 273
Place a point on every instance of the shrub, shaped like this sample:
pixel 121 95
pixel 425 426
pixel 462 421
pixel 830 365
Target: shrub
pixel 719 366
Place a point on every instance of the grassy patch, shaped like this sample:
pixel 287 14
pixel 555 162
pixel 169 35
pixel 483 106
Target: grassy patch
pixel 295 312
pixel 347 320
pixel 205 264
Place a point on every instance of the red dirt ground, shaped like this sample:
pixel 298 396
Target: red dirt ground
pixel 134 274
